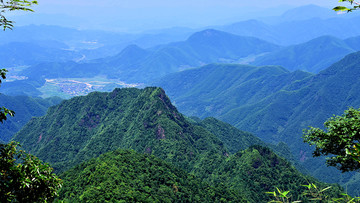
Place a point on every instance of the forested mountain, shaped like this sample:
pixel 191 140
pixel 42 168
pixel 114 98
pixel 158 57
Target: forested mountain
pixel 276 106
pixel 312 56
pixel 201 48
pixel 216 89
pixel 269 79
pixel 134 177
pixel 233 138
pixel 85 127
pixel 25 108
pixel 145 120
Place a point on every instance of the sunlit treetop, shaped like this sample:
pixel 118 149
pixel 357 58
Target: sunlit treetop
pixel 354 6
pixel 13 5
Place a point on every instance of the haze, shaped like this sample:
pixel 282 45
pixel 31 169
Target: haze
pixel 140 15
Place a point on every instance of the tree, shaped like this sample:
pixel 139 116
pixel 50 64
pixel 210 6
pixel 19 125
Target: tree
pixel 5 6
pixel 12 5
pixel 354 6
pixel 24 178
pixel 4 111
pixel 340 140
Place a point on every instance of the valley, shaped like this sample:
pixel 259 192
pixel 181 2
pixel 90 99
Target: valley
pixel 212 113
pixel 70 87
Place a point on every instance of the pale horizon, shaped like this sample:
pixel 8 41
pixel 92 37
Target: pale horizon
pixel 141 15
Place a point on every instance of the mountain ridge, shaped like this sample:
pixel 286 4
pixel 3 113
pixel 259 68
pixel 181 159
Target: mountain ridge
pixel 300 100
pixel 145 120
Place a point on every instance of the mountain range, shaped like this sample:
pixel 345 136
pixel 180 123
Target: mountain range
pixel 82 128
pixel 204 47
pixel 296 73
pixel 295 31
pixel 312 56
pixel 271 102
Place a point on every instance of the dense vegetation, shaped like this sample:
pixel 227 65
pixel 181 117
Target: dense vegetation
pixel 144 120
pixel 83 128
pixel 196 160
pixel 25 108
pixel 127 176
pixel 233 138
pixel 25 178
pixel 341 140
pixel 274 104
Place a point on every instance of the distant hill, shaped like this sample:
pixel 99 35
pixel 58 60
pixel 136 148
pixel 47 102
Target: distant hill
pixel 276 105
pixel 306 12
pixel 353 42
pixel 312 56
pixel 30 53
pixel 132 63
pixel 83 128
pixel 298 30
pixel 27 87
pixel 231 91
pixel 25 108
pixel 74 38
pixel 216 89
pixel 92 44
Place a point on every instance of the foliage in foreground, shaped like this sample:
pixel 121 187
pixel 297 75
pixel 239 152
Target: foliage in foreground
pixel 12 5
pixel 354 6
pixel 4 112
pixel 24 178
pixel 311 193
pixel 341 140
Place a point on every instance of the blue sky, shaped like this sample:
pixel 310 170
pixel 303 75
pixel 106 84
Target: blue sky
pixel 138 15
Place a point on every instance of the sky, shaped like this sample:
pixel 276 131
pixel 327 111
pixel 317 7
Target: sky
pixel 140 15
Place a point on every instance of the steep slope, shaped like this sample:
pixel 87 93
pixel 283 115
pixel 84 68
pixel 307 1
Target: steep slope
pixel 129 176
pixel 265 100
pixel 83 128
pixel 312 56
pixel 233 138
pixel 216 89
pixel 130 65
pixel 300 100
pixel 132 177
pixel 255 169
pixel 307 102
pixel 25 108
pixel 144 120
